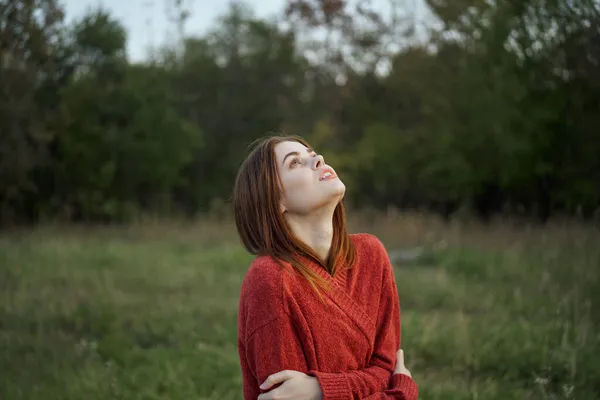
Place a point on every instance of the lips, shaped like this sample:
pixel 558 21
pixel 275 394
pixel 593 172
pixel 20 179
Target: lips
pixel 326 174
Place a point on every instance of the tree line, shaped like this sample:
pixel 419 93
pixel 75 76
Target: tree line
pixel 495 111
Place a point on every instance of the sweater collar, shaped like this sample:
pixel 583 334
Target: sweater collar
pixel 339 277
pixel 340 296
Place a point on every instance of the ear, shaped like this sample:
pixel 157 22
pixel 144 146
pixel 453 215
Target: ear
pixel 282 208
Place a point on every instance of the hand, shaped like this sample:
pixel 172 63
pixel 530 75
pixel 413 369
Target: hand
pixel 400 368
pixel 295 386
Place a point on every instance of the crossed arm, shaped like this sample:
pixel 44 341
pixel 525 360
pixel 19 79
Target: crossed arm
pixel 297 385
pixel 264 354
pixel 270 351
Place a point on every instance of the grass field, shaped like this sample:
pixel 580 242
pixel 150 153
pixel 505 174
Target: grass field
pixel 149 311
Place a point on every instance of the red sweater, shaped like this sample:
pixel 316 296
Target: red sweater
pixel 349 344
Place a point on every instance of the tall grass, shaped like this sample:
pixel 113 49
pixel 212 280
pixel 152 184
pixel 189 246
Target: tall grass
pixel 148 311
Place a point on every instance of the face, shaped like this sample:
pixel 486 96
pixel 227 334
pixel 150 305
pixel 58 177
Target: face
pixel 308 183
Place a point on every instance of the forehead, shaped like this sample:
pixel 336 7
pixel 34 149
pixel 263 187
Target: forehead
pixel 283 148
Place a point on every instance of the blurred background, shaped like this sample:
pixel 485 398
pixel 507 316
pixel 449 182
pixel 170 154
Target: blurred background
pixel 466 132
pixel 111 109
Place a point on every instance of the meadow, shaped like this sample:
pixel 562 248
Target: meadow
pixel 148 311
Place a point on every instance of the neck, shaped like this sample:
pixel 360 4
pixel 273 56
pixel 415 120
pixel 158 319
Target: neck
pixel 315 230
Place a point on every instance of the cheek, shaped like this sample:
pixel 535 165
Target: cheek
pixel 296 185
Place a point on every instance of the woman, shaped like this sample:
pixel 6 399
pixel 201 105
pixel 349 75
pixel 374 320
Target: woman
pixel 319 314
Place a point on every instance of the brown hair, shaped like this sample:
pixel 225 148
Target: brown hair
pixel 261 226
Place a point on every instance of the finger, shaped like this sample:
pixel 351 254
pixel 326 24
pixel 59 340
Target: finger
pixel 272 395
pixel 400 357
pixel 276 378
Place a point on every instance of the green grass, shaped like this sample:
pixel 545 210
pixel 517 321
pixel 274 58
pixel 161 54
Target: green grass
pixel 150 312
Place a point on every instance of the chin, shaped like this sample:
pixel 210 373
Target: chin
pixel 330 201
pixel 337 194
pixel 340 188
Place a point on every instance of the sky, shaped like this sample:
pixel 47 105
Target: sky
pixel 148 25
pixel 147 21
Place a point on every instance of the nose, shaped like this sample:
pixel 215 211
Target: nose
pixel 319 161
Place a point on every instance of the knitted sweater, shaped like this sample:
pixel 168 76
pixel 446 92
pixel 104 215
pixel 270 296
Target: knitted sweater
pixel 349 343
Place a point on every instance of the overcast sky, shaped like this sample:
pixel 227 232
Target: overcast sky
pixel 139 15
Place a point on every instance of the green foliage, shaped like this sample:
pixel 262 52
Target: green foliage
pixel 30 72
pixel 496 112
pixel 236 84
pixel 128 153
pixel 122 145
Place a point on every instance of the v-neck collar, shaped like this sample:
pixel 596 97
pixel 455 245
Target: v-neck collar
pixel 339 295
pixel 339 278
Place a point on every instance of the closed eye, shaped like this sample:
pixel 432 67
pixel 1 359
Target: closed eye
pixel 296 160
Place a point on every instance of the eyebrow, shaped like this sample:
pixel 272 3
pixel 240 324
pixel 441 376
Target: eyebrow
pixel 295 153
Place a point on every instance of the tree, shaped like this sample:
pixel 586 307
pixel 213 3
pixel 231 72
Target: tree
pixel 33 67
pixel 122 145
pixel 242 80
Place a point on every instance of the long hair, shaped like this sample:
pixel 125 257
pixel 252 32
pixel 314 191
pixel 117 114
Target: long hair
pixel 262 227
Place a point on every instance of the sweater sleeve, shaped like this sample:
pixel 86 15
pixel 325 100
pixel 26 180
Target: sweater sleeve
pixel 402 387
pixel 377 375
pixel 272 348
